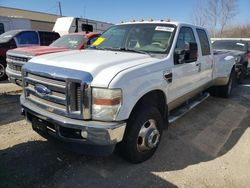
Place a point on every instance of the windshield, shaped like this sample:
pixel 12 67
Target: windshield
pixel 150 38
pixel 229 45
pixel 69 41
pixel 5 37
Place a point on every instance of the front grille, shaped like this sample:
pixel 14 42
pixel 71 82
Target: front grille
pixel 65 96
pixel 15 63
pixel 18 59
pixel 15 67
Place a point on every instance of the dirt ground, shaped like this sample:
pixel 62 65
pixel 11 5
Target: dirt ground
pixel 208 147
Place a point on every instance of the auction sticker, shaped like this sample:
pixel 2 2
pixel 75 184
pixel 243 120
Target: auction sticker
pixel 98 41
pixel 164 28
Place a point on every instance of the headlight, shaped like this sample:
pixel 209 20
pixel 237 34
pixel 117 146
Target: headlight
pixel 106 103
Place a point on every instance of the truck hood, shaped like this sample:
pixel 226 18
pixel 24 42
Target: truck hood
pixel 103 65
pixel 36 50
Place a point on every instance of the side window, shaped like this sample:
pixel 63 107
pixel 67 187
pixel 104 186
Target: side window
pixel 87 27
pixel 186 36
pixel 1 28
pixel 27 37
pixel 46 38
pixel 205 48
pixel 186 46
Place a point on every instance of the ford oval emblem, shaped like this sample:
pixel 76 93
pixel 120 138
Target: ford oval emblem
pixel 42 90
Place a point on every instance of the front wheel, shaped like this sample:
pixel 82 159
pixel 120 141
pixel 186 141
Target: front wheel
pixel 225 91
pixel 143 135
pixel 3 75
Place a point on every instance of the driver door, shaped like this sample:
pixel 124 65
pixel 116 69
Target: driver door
pixel 185 74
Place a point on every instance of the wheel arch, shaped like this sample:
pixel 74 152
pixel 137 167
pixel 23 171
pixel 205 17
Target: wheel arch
pixel 155 98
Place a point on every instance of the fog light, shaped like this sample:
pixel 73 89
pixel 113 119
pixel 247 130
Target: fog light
pixel 84 134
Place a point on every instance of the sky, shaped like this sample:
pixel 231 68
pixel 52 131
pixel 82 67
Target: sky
pixel 115 11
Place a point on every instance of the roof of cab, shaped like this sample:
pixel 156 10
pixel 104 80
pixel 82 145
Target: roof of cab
pixel 161 22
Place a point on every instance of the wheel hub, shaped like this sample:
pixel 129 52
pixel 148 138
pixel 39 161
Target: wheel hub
pixel 153 138
pixel 148 137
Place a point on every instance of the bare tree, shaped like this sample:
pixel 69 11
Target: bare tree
pixel 213 14
pixel 199 14
pixel 228 12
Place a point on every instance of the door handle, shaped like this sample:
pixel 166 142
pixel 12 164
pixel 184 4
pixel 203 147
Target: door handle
pixel 168 76
pixel 197 64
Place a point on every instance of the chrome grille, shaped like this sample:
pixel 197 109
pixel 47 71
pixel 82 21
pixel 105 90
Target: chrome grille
pixel 15 63
pixel 15 67
pixel 65 97
pixel 18 59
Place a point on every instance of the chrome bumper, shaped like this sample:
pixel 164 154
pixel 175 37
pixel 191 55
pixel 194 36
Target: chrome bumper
pixel 14 77
pixel 95 132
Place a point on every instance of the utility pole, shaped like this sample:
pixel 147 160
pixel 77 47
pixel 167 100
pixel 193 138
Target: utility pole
pixel 60 8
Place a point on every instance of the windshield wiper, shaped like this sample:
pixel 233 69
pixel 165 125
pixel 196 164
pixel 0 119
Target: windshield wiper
pixel 121 49
pixel 96 48
pixel 133 50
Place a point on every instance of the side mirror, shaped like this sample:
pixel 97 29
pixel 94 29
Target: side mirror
pixel 186 55
pixel 179 56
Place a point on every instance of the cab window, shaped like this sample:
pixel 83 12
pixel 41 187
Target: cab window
pixel 186 46
pixel 205 47
pixel 186 36
pixel 27 37
pixel 1 28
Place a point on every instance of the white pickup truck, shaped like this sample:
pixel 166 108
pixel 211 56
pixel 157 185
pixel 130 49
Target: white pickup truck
pixel 135 79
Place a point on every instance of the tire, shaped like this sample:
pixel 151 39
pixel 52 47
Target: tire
pixel 3 75
pixel 142 135
pixel 243 74
pixel 225 91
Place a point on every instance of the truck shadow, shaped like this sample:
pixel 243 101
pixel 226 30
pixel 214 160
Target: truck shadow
pixel 205 133
pixel 10 109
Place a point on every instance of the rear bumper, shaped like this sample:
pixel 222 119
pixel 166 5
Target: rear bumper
pixel 90 133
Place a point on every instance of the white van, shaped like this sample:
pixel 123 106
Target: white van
pixel 67 25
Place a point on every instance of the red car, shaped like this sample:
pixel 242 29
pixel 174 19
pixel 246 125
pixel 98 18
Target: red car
pixel 17 57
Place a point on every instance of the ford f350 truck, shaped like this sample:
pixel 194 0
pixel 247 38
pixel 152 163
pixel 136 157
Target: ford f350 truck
pixel 136 79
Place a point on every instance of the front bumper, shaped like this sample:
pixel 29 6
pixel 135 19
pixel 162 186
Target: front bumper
pixel 14 77
pixel 71 130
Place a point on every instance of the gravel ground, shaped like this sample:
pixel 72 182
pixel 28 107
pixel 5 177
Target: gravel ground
pixel 7 87
pixel 208 147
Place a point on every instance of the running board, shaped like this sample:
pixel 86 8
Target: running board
pixel 184 109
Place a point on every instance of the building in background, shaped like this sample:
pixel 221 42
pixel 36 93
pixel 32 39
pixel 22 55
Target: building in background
pixel 39 20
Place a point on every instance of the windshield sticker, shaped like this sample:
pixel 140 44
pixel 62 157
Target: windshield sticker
pixel 240 44
pixel 73 42
pixel 98 41
pixel 163 28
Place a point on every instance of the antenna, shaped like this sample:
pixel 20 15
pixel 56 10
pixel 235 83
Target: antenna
pixel 60 8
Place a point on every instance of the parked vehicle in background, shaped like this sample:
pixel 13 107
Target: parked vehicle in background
pixel 13 23
pixel 239 48
pixel 67 25
pixel 22 38
pixel 136 78
pixel 16 58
